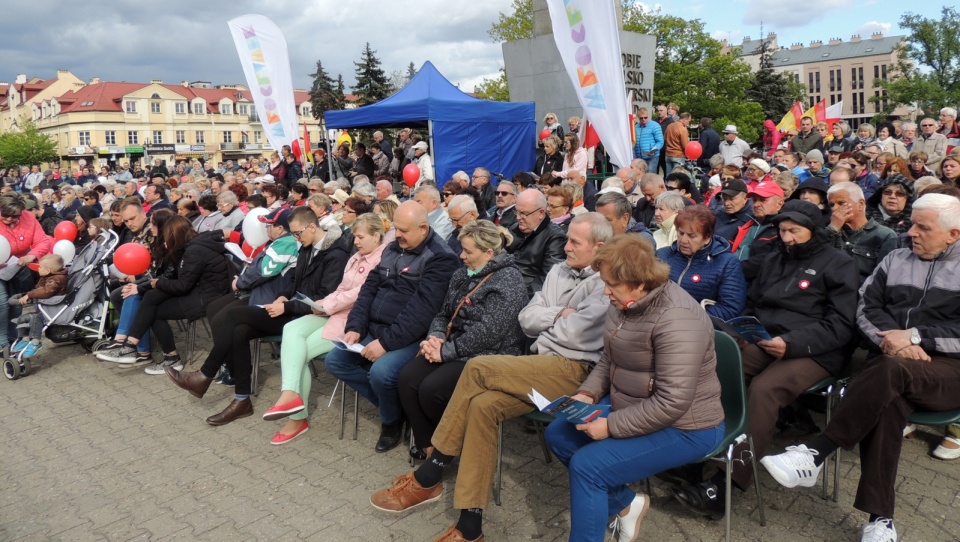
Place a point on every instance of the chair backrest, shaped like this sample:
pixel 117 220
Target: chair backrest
pixel 733 392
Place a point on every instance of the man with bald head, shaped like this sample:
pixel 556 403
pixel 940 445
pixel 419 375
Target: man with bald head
pixel 537 242
pixel 392 314
pixel 385 191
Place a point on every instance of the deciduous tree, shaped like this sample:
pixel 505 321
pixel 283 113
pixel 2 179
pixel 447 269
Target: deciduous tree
pixel 28 146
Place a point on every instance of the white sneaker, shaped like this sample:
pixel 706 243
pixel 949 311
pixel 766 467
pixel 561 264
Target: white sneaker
pixel 881 530
pixel 947 452
pixel 626 528
pixel 793 468
pixel 909 429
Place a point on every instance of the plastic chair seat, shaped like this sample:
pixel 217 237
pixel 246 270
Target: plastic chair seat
pixel 925 417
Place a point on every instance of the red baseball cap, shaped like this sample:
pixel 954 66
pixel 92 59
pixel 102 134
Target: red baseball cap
pixel 767 189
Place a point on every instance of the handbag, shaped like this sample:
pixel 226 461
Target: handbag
pixel 464 300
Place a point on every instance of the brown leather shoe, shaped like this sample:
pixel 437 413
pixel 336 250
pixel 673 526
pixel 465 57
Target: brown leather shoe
pixel 454 535
pixel 405 493
pixel 193 381
pixel 235 410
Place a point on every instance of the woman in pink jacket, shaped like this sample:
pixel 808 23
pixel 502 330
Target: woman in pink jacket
pixel 28 243
pixel 310 336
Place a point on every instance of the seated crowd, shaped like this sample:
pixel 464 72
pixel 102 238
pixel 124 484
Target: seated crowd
pixel 449 305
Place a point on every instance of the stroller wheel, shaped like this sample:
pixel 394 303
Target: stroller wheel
pixel 97 345
pixel 26 367
pixel 11 368
pixel 89 344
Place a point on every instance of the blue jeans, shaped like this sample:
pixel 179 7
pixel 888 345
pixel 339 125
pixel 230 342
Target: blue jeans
pixel 127 313
pixel 671 163
pixel 377 382
pixel 600 470
pixel 5 332
pixel 653 162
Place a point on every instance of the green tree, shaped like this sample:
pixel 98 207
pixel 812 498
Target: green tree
pixel 517 24
pixel 692 72
pixel 494 89
pixel 928 68
pixel 323 93
pixel 411 71
pixel 372 83
pixel 775 92
pixel 27 147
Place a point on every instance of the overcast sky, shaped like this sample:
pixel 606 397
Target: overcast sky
pixel 175 40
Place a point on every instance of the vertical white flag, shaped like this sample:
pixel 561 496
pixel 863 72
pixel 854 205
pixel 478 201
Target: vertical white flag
pixel 588 39
pixel 266 65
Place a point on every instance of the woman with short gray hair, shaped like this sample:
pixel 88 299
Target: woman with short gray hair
pixel 668 205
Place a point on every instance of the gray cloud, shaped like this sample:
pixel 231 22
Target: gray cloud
pixel 123 40
pixel 790 14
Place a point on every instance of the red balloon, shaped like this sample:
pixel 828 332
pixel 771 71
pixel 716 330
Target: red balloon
pixel 545 133
pixel 246 248
pixel 65 230
pixel 411 174
pixel 693 150
pixel 34 266
pixel 132 259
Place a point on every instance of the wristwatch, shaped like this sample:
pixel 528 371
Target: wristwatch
pixel 914 336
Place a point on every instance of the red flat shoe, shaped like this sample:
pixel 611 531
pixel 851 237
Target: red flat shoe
pixel 280 438
pixel 278 412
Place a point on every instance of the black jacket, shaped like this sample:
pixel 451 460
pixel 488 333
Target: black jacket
pixel 203 275
pixel 808 297
pixel 728 225
pixel 293 175
pixel 549 162
pixel 322 169
pixel 49 220
pixel 488 197
pixel 537 252
pixel 508 220
pixel 402 295
pixel 710 142
pixel 319 277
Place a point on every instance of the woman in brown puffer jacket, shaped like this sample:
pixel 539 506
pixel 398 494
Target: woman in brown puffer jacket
pixel 658 373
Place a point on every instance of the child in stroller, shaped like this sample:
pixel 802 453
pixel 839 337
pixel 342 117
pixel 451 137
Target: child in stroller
pixel 53 282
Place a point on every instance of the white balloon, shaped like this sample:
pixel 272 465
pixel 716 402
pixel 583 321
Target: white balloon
pixel 116 273
pixel 4 249
pixel 65 250
pixel 254 231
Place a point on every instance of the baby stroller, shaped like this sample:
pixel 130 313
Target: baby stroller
pixel 82 314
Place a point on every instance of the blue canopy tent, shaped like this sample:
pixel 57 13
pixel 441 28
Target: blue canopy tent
pixel 465 132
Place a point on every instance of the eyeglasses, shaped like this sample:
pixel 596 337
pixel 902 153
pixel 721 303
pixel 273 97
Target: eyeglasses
pixel 504 193
pixel 448 194
pixel 528 213
pixel 927 125
pixel 894 193
pixel 297 234
pixel 553 207
pixel 643 118
pixel 917 161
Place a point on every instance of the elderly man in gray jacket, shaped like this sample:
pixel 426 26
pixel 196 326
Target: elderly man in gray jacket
pixel 566 319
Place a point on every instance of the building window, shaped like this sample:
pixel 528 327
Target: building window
pixel 862 103
pixel 305 111
pixel 180 108
pixel 839 84
pixel 244 138
pixel 199 135
pixel 810 80
pixel 198 109
pixel 833 82
pixel 84 138
pixel 157 137
pixel 818 82
pixel 854 110
pixel 876 72
pixel 226 109
pixel 181 137
pixel 242 109
pixel 154 107
pixel 111 137
pixel 883 72
pixel 131 107
pixel 876 101
pixel 860 78
pixel 258 136
pixel 228 137
pixel 133 138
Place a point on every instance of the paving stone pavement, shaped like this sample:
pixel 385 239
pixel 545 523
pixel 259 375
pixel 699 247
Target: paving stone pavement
pixel 94 451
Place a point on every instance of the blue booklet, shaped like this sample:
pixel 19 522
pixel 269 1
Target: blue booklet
pixel 569 409
pixel 747 328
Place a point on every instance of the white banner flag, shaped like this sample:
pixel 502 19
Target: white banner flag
pixel 266 65
pixel 588 39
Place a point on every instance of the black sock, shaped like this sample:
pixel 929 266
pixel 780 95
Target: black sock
pixel 430 472
pixel 470 523
pixel 874 517
pixel 824 446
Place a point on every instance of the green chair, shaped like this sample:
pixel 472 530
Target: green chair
pixel 733 396
pixel 924 417
pixel 540 421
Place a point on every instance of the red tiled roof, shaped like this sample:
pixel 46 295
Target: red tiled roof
pixel 105 96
